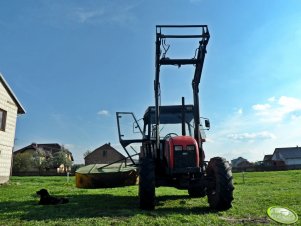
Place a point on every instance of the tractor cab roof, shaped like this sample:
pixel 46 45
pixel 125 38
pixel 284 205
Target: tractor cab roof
pixel 169 114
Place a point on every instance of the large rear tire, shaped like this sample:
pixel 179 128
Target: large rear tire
pixel 147 184
pixel 220 188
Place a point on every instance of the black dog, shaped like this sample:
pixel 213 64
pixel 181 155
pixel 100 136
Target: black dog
pixel 46 199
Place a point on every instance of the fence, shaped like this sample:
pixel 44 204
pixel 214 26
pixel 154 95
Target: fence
pixel 261 168
pixel 36 173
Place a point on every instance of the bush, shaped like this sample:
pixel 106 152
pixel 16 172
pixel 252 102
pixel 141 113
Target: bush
pixel 75 167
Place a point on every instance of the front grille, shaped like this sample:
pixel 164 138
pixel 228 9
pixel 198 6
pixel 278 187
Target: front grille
pixel 184 159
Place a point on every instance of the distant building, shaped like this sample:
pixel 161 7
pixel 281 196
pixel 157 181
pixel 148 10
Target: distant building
pixel 241 163
pixel 267 157
pixel 268 161
pixel 44 152
pixel 105 154
pixel 290 155
pixel 10 107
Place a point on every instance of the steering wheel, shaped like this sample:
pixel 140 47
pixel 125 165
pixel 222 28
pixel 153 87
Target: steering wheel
pixel 170 135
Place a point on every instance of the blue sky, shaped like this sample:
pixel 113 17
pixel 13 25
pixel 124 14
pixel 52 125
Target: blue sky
pixel 73 64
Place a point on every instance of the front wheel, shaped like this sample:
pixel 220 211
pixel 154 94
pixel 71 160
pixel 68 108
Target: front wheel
pixel 220 187
pixel 147 184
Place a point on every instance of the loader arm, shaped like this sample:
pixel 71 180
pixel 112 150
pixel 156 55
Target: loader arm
pixel 198 61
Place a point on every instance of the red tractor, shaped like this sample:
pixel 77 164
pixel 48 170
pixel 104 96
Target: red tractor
pixel 172 136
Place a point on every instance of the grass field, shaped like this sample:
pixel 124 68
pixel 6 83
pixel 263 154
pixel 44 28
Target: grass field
pixel 119 206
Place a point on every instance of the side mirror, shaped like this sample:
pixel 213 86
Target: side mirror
pixel 207 123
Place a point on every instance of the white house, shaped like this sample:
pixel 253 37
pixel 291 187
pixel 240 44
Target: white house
pixel 10 107
pixel 290 155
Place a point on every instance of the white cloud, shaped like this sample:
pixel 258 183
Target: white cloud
pixel 272 99
pixel 264 135
pixel 121 13
pixel 258 131
pixel 69 146
pixel 278 110
pixel 103 113
pixel 290 104
pixel 261 107
pixel 88 15
pixel 240 111
pixel 295 117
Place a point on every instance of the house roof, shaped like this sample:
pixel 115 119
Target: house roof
pixel 237 160
pixel 21 109
pixel 267 157
pixel 105 147
pixel 289 152
pixel 52 147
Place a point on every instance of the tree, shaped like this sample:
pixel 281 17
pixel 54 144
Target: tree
pixel 86 153
pixel 22 162
pixel 38 159
pixel 62 157
pixel 75 167
pixel 42 160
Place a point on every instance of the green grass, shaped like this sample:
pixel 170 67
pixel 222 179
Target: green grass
pixel 119 206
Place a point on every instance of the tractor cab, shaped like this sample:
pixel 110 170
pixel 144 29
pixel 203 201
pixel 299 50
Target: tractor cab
pixel 179 152
pixel 171 119
pixel 175 120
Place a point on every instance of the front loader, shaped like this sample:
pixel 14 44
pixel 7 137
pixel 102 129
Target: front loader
pixel 172 136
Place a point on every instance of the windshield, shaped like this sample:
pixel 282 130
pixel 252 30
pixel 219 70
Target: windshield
pixel 175 129
pixel 172 123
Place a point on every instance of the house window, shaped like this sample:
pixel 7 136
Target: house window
pixel 2 119
pixel 104 153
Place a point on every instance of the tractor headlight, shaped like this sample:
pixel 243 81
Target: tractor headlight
pixel 190 147
pixel 178 148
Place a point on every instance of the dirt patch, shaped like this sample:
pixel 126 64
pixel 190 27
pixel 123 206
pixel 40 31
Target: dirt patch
pixel 263 220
